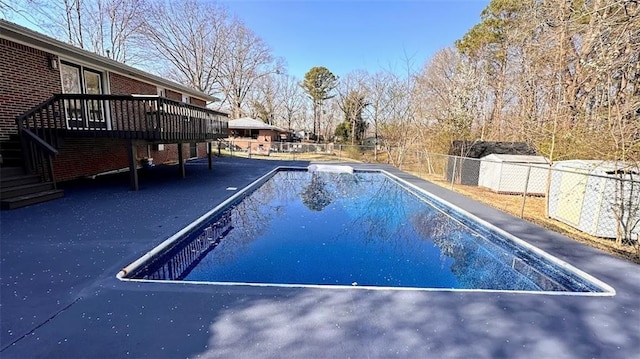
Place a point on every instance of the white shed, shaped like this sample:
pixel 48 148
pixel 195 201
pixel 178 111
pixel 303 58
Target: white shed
pixel 508 173
pixel 595 198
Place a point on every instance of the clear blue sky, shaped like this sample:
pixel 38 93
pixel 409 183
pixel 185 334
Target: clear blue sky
pixel 348 35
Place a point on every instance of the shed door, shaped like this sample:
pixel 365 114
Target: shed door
pixel 571 198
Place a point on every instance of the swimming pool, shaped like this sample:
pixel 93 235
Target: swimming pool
pixel 332 226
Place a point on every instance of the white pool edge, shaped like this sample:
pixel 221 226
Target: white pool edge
pixel 608 290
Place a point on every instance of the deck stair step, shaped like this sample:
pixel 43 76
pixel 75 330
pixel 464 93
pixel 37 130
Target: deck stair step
pixel 11 153
pixel 15 191
pixel 20 180
pixel 6 171
pixel 18 189
pixel 29 199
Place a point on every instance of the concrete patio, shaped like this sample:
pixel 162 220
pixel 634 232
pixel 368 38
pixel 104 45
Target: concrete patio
pixel 60 297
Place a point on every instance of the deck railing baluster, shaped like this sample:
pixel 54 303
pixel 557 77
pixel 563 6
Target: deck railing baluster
pixel 128 112
pixel 105 113
pixel 158 126
pixel 174 123
pixel 50 134
pixel 91 121
pixel 39 130
pixel 121 118
pixel 137 127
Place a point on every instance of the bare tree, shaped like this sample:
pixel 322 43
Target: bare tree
pixel 62 19
pixel 194 49
pixel 247 59
pixel 448 87
pixel 400 129
pixel 277 99
pixel 291 101
pixel 264 101
pixel 380 98
pixel 115 26
pixel 332 115
pixel 10 9
pixel 352 99
pixel 6 8
pixel 106 27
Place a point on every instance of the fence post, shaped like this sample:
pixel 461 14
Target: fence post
pixel 339 152
pixel 524 193
pixel 453 170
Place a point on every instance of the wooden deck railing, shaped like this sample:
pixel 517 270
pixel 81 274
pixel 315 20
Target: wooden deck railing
pixel 123 116
pixel 150 118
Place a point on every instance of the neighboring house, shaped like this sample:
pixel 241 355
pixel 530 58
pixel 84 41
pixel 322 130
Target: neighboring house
pixel 248 133
pixel 67 113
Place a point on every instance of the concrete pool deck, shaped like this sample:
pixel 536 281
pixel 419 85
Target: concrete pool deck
pixel 60 298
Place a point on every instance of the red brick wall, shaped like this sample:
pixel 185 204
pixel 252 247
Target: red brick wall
pixel 170 152
pixel 79 157
pixel 198 102
pixel 25 81
pixel 202 150
pixel 121 85
pixel 172 95
pixel 177 96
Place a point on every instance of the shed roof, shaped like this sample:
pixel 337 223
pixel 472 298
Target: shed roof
pixel 248 123
pixel 596 166
pixel 23 35
pixel 516 158
pixel 479 149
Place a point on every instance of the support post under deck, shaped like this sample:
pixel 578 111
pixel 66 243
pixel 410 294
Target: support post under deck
pixel 210 154
pixel 133 168
pixel 181 161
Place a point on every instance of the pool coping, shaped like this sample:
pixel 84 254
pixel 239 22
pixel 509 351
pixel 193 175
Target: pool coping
pixel 607 290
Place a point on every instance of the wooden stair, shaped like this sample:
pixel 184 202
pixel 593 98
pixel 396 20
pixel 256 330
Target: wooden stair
pixel 18 189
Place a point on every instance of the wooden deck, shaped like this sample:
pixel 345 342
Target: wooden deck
pixel 151 119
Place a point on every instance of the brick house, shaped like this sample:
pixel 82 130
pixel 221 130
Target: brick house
pixel 67 113
pixel 248 133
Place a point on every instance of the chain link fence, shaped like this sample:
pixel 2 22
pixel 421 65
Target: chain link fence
pixel 601 199
pixel 297 151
